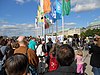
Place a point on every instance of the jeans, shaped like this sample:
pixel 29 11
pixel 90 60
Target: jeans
pixel 96 71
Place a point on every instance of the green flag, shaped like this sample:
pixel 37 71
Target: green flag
pixel 66 7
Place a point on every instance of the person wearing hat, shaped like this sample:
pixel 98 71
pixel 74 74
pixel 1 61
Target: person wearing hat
pixel 94 50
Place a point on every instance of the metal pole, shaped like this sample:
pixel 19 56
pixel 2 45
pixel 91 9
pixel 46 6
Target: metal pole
pixel 56 28
pixel 52 30
pixel 62 25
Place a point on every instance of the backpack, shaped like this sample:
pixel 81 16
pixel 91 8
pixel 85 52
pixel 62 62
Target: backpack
pixel 53 65
pixel 2 60
pixel 44 48
pixel 31 68
pixel 1 55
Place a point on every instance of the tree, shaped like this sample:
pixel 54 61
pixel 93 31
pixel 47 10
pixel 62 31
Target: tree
pixel 90 32
pixel 83 34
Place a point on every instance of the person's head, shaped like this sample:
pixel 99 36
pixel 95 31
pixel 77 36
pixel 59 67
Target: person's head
pixel 79 52
pixel 21 40
pixel 38 36
pixel 16 64
pixel 49 39
pixel 97 39
pixel 15 45
pixel 39 41
pixel 57 40
pixel 43 42
pixel 33 38
pixel 3 42
pixel 65 55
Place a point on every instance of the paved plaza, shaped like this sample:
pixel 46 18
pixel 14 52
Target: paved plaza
pixel 88 68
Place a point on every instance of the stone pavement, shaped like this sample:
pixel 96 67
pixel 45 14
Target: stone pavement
pixel 88 67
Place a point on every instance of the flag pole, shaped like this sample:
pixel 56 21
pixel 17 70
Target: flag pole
pixel 62 25
pixel 52 30
pixel 56 27
pixel 62 20
pixel 43 24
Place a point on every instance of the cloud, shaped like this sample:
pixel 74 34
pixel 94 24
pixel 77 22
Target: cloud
pixel 86 5
pixel 8 27
pixel 17 29
pixel 2 21
pixel 22 1
pixel 70 24
pixel 98 18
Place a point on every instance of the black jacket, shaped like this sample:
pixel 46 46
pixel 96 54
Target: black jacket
pixel 95 56
pixel 49 46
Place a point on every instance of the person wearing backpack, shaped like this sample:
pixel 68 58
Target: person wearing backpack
pixel 3 55
pixel 40 51
pixel 53 63
pixel 65 58
pixel 32 57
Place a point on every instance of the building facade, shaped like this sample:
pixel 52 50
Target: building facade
pixel 94 25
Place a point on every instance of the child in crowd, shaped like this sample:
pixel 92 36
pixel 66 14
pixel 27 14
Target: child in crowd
pixel 79 59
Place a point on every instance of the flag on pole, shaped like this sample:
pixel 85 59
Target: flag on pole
pixel 39 14
pixel 36 22
pixel 66 7
pixel 46 23
pixel 41 5
pixel 58 7
pixel 46 6
pixel 52 14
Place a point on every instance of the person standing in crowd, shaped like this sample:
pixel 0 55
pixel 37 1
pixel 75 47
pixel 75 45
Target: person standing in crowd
pixel 38 41
pixel 65 40
pixel 49 46
pixel 80 63
pixel 32 57
pixel 53 63
pixel 16 64
pixel 40 51
pixel 94 50
pixel 65 58
pixel 4 54
pixel 32 43
pixel 57 44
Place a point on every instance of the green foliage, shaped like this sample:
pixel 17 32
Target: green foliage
pixel 90 32
pixel 83 34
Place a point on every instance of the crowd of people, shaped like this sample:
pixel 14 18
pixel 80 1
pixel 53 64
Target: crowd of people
pixel 35 56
